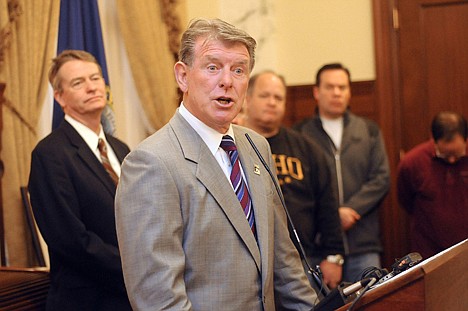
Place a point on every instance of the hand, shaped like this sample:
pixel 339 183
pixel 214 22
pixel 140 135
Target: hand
pixel 332 273
pixel 348 217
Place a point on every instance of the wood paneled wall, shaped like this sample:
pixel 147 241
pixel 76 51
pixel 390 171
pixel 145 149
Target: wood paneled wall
pixel 301 104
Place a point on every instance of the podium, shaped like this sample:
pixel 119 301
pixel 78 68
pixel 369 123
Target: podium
pixel 437 283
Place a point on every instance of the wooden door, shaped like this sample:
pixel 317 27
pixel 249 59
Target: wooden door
pixel 433 63
pixel 421 49
pixel 2 227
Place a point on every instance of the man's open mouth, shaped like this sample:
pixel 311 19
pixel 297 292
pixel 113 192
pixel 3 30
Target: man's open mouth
pixel 224 100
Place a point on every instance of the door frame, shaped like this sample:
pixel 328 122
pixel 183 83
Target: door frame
pixel 394 221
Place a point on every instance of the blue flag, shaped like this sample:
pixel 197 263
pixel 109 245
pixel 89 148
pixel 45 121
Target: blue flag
pixel 80 29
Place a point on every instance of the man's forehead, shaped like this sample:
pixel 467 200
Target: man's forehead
pixel 269 79
pixel 205 45
pixel 78 68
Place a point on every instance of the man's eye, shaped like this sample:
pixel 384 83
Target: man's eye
pixel 239 71
pixel 76 84
pixel 212 68
pixel 96 78
pixel 279 98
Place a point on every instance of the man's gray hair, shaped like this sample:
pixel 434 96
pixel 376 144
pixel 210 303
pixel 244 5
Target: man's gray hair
pixel 211 30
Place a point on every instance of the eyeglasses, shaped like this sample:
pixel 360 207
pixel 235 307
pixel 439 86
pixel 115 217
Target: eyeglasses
pixel 450 157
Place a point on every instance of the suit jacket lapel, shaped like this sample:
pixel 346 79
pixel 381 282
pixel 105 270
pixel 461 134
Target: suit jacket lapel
pixel 88 157
pixel 119 152
pixel 208 173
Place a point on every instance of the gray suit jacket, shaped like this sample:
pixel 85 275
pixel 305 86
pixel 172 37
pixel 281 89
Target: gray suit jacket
pixel 184 240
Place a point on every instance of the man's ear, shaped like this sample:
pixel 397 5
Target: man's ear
pixel 180 71
pixel 57 97
pixel 315 92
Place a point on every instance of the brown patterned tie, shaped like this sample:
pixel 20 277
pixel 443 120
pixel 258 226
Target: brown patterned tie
pixel 105 160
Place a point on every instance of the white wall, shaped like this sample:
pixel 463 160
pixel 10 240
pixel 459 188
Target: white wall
pixel 297 37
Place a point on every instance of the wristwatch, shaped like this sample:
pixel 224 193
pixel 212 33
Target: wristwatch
pixel 337 259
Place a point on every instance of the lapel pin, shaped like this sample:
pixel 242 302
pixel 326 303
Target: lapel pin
pixel 256 169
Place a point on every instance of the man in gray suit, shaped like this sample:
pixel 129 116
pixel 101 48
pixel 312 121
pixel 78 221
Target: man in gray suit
pixel 187 242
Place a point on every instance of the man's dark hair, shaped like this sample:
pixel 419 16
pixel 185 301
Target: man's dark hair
pixel 333 66
pixel 447 124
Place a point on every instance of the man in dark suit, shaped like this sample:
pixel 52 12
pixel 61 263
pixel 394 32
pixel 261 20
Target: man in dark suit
pixel 72 186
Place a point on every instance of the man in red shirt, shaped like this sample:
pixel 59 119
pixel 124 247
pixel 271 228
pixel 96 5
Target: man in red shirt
pixel 433 186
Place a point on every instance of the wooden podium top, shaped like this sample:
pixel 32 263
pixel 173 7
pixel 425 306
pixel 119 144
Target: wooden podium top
pixel 437 283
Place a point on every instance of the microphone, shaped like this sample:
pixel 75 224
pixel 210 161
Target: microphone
pixel 371 276
pixel 344 294
pixel 402 264
pixel 370 282
pixel 399 266
pixel 323 288
pixel 351 289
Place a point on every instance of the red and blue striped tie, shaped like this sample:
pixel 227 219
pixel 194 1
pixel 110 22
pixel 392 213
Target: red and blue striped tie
pixel 237 180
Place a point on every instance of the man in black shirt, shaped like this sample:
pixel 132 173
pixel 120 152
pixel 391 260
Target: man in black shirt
pixel 303 175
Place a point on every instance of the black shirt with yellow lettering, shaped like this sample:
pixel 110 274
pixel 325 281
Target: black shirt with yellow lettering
pixel 309 194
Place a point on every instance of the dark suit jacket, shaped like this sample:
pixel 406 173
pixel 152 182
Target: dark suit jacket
pixel 72 197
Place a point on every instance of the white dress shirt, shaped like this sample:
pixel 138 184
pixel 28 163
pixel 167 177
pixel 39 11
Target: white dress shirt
pixel 212 139
pixel 91 139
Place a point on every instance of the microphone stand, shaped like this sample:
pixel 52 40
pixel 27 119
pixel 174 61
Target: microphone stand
pixel 323 288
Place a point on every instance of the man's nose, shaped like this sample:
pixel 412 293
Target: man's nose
pixel 452 159
pixel 225 79
pixel 91 85
pixel 272 100
pixel 336 90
